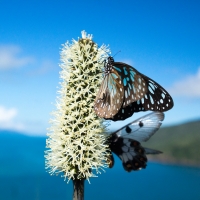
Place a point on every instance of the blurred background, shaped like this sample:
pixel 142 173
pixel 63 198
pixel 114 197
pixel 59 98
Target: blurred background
pixel 159 38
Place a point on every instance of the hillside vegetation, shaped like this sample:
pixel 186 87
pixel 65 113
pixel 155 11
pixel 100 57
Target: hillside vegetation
pixel 179 144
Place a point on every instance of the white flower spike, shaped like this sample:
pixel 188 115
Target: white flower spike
pixel 76 146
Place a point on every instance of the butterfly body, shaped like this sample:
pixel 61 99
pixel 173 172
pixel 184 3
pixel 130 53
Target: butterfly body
pixel 126 142
pixel 124 91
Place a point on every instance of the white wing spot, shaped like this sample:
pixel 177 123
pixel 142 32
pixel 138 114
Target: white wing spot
pixel 125 149
pixel 151 99
pixel 150 89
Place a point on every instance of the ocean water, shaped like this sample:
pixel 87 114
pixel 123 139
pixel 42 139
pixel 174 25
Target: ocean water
pixel 157 181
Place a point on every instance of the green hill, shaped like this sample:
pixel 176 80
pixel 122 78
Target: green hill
pixel 179 144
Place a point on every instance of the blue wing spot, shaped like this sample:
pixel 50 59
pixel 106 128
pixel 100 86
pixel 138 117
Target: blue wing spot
pixel 124 82
pixel 118 69
pixel 132 77
pixel 114 76
pixel 125 71
pixel 132 73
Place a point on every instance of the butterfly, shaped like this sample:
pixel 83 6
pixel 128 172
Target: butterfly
pixel 124 91
pixel 125 142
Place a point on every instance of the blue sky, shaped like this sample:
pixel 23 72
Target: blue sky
pixel 161 39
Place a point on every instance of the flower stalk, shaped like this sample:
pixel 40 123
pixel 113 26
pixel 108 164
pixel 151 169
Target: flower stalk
pixel 78 189
pixel 76 141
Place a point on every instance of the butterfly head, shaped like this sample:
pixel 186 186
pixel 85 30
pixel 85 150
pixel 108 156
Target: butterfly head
pixel 110 60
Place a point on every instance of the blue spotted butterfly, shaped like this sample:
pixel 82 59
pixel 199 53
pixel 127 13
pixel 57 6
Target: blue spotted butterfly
pixel 125 142
pixel 124 91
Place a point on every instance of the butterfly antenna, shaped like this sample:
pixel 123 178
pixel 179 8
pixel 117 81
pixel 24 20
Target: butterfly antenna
pixel 116 53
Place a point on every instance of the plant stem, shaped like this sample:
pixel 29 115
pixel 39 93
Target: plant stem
pixel 78 186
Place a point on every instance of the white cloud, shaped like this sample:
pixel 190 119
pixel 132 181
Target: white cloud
pixel 7 114
pixel 7 119
pixel 188 87
pixel 10 57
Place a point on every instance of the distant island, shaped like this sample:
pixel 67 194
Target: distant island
pixel 180 144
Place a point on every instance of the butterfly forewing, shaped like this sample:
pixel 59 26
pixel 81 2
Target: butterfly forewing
pixel 110 96
pixel 125 142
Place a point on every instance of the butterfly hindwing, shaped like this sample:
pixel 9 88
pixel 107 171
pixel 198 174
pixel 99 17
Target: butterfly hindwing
pixel 125 142
pixel 110 96
pixel 129 151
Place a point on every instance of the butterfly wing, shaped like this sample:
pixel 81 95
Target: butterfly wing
pixel 110 96
pixel 151 151
pixel 124 91
pixel 128 111
pixel 131 153
pixel 120 87
pixel 143 128
pixel 151 97
pixel 125 142
pixel 156 98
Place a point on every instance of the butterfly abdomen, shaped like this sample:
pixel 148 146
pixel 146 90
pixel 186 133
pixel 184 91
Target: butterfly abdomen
pixel 110 160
